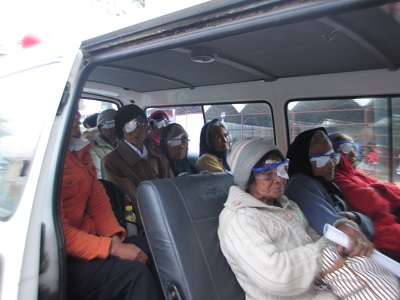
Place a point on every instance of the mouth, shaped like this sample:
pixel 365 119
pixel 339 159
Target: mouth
pixel 279 189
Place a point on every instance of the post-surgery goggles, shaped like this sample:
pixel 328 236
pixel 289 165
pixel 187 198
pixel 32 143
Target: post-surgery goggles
pixel 346 146
pixel 322 159
pixel 160 123
pixel 108 124
pixel 133 124
pixel 272 169
pixel 177 141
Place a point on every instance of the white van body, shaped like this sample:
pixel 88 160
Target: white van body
pixel 270 52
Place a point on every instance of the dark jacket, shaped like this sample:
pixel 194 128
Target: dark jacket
pixel 320 200
pixel 126 169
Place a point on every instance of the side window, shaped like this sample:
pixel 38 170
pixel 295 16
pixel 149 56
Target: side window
pixel 87 108
pixel 190 117
pixel 373 123
pixel 243 120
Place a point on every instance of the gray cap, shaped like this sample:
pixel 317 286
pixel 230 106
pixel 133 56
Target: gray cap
pixel 243 157
pixel 106 116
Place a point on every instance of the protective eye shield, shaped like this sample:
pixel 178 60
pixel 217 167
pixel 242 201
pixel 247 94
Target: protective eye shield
pixel 133 124
pixel 322 159
pixel 160 123
pixel 273 169
pixel 346 147
pixel 108 124
pixel 177 141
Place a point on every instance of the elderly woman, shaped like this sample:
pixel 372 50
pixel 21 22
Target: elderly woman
pixel 311 170
pixel 264 236
pixel 269 244
pixel 135 159
pixel 376 199
pixel 174 143
pixel 214 147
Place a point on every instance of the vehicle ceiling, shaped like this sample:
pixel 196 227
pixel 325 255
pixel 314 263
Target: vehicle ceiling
pixel 280 41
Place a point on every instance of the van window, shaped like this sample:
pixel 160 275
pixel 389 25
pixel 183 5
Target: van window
pixel 373 123
pixel 89 107
pixel 243 120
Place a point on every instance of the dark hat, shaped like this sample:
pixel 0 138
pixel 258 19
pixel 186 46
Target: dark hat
pixel 90 121
pixel 124 115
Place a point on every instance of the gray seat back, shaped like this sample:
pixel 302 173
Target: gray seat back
pixel 180 217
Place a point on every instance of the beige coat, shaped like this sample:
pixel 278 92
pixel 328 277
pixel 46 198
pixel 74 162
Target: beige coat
pixel 273 251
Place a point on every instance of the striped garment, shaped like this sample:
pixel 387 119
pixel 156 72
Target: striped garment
pixel 359 278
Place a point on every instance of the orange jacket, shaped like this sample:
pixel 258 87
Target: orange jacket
pixel 87 217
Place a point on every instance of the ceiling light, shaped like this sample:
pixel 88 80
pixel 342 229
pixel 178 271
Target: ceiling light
pixel 203 57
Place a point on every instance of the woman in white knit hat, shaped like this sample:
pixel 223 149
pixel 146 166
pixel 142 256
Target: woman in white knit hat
pixel 264 236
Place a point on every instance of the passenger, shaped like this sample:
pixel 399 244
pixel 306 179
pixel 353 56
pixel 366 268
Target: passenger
pixel 90 121
pixel 90 124
pixel 270 246
pixel 368 195
pixel 174 142
pixel 136 158
pixel 99 264
pixel 104 141
pixel 158 120
pixel 311 170
pixel 214 147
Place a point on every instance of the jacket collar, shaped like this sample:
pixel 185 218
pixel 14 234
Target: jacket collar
pixel 240 199
pixel 346 166
pixel 76 144
pixel 130 156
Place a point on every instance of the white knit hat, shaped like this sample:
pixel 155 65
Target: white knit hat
pixel 106 116
pixel 243 157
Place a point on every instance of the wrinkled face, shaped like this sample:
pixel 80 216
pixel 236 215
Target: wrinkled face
pixel 268 183
pixel 108 133
pixel 178 145
pixel 220 139
pixel 327 170
pixel 76 132
pixel 348 150
pixel 135 131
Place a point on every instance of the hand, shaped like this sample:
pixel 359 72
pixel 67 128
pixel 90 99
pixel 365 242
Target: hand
pixel 358 243
pixel 126 251
pixel 350 216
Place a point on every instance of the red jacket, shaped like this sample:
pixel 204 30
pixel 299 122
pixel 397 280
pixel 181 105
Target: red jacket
pixel 374 199
pixel 87 217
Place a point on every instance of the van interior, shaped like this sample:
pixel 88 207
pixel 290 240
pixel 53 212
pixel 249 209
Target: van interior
pixel 294 64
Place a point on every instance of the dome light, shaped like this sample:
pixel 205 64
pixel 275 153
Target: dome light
pixel 203 56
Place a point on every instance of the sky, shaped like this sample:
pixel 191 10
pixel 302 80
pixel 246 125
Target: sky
pixel 79 18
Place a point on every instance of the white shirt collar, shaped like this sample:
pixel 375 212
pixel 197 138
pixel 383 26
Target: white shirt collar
pixel 76 144
pixel 143 154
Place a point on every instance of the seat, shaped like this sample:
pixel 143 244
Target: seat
pixel 118 203
pixel 180 218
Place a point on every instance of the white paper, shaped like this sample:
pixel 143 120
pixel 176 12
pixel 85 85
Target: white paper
pixel 339 237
